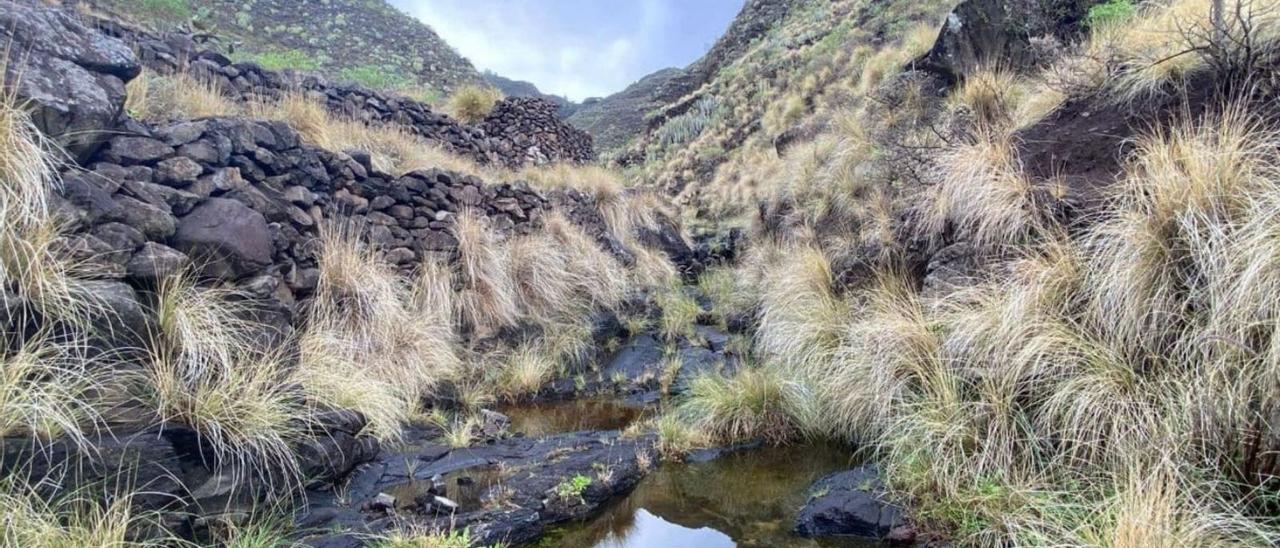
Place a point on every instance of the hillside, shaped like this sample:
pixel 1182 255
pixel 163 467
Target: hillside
pixel 615 120
pixel 365 41
pixel 618 118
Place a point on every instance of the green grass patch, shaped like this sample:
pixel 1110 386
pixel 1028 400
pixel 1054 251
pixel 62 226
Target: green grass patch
pixel 1109 13
pixel 290 59
pixel 375 76
pixel 168 10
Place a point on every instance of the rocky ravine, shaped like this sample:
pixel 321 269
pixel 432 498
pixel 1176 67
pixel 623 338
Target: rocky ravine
pixel 244 199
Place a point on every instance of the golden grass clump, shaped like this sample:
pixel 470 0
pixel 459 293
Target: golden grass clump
pixel 205 372
pixel 488 299
pixel 80 518
pixel 680 311
pixel 984 193
pixel 802 317
pixel 48 389
pixel 753 403
pixel 180 96
pixel 471 104
pixel 48 385
pixel 374 342
pixel 525 370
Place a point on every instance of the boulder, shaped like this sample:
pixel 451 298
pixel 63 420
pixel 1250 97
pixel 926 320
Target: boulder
pixel 155 262
pixel 849 504
pixel 979 30
pixel 121 316
pixel 71 76
pixel 226 238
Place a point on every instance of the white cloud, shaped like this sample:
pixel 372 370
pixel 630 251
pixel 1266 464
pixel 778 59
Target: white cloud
pixel 517 40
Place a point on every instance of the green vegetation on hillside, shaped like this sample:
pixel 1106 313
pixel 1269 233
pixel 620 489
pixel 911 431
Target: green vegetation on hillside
pixel 366 42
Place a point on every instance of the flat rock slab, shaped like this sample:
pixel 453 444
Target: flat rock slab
pixel 529 489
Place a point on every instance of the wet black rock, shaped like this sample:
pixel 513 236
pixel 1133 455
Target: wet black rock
pixel 851 504
pixel 533 487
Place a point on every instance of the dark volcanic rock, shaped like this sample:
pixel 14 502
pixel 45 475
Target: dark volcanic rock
pixel 848 503
pixel 529 483
pixel 977 31
pixel 227 238
pixel 72 77
pixel 638 364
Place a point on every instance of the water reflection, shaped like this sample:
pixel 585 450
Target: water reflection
pixel 545 418
pixel 746 499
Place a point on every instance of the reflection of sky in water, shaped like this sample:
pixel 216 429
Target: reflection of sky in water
pixel 651 531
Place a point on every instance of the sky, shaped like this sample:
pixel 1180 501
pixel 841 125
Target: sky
pixel 576 48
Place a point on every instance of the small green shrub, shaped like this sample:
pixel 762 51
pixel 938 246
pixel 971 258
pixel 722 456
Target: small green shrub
pixel 688 126
pixel 573 487
pixel 1109 13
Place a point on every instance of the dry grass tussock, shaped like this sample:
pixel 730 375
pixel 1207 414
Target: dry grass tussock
pixel 79 518
pixel 374 342
pixel 206 372
pixel 1115 389
pixel 48 385
pixel 471 104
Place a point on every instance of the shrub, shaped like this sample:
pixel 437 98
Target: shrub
pixel 688 126
pixel 471 104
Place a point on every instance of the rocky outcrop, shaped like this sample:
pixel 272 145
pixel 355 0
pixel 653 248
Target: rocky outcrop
pixel 172 470
pixel 850 504
pixel 614 120
pixel 978 31
pixel 70 78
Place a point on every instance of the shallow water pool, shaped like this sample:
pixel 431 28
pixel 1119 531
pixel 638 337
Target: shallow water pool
pixel 744 499
pixel 546 418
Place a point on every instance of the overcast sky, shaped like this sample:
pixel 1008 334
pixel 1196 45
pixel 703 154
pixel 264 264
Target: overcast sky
pixel 577 48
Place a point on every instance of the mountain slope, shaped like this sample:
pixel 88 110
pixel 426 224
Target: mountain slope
pixel 366 41
pixel 615 119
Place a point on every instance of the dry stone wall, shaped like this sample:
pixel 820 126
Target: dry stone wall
pixel 519 131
